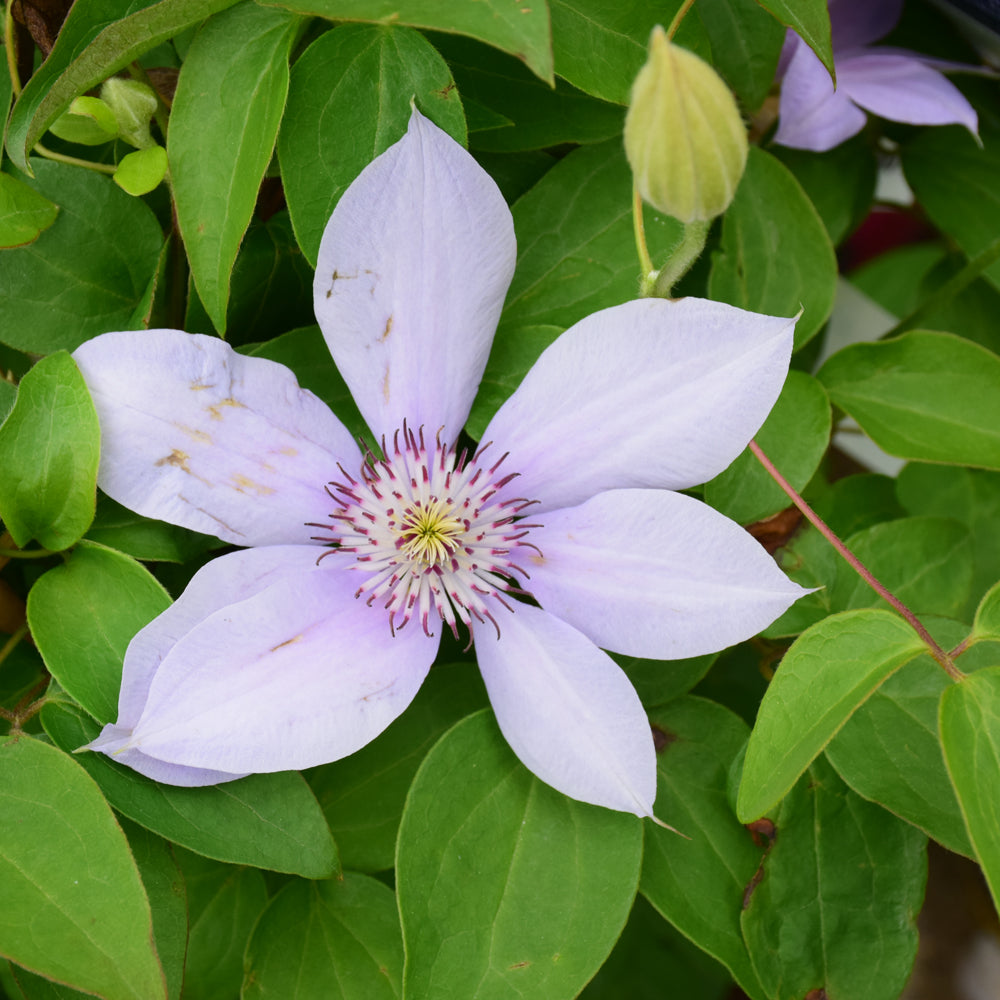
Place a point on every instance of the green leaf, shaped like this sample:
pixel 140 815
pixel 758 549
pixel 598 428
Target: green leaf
pixel 928 396
pixel 88 121
pixel 658 681
pixel 794 436
pixel 835 906
pixel 335 940
pixel 970 737
pixel 24 213
pixel 94 42
pixel 698 884
pixel 49 450
pixel 517 27
pixel 775 256
pixel 167 894
pixel 224 903
pixel 87 272
pixel 95 584
pixel 140 172
pixel 600 47
pixel 987 623
pixel 355 81
pixel 953 178
pixel 270 821
pixel 811 20
pixel 363 795
pixel 74 907
pixel 505 886
pixel 829 671
pixel 117 527
pixel 575 243
pixel 889 751
pixel 746 42
pixel 223 125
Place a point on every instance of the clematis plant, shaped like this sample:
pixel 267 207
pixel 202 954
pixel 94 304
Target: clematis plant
pixel 559 537
pixel 892 83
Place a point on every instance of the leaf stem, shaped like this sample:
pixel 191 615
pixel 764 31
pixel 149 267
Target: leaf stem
pixel 73 161
pixel 682 257
pixel 648 278
pixel 8 647
pixel 8 41
pixel 955 284
pixel 25 554
pixel 678 17
pixel 943 659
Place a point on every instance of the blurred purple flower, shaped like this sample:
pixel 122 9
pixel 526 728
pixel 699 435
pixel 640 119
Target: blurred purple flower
pixel 892 83
pixel 305 645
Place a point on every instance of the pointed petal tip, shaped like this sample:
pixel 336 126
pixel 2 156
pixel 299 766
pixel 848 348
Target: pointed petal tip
pixel 666 826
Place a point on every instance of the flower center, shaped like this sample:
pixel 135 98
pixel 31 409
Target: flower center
pixel 435 532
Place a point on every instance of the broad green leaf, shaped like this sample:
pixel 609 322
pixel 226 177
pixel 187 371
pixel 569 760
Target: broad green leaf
pixel 49 449
pixel 698 884
pixel 514 351
pixel 24 213
pixel 658 681
pixel 794 436
pixel 87 272
pixel 970 736
pixel 334 940
pixel 518 27
pixel 8 394
pixel 164 885
pixel 953 179
pixel 356 81
pixel 506 886
pixel 746 42
pixel 94 587
pixel 74 907
pixel 525 112
pixel 810 19
pixel 95 41
pixel 117 527
pixel 834 908
pixel 575 242
pixel 889 750
pixel 599 47
pixel 140 172
pixel 987 624
pixel 829 671
pixel 840 182
pixel 224 903
pixel 927 396
pixel 971 496
pixel 223 125
pixel 270 821
pixel 363 795
pixel 32 987
pixel 775 256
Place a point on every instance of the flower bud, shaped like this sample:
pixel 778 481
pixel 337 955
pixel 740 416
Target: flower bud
pixel 88 121
pixel 133 104
pixel 684 137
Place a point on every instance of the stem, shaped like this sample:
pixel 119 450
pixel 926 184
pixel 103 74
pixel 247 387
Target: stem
pixel 955 284
pixel 73 161
pixel 823 528
pixel 682 257
pixel 678 17
pixel 8 646
pixel 8 41
pixel 25 554
pixel 639 228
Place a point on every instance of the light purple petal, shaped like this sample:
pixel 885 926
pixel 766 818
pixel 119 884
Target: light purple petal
pixel 296 675
pixel 198 435
pixel 412 274
pixel 655 574
pixel 898 86
pixel 860 22
pixel 649 393
pixel 811 114
pixel 568 711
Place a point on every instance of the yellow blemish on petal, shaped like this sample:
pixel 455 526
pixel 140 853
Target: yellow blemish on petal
pixel 242 484
pixel 288 642
pixel 179 459
pixel 215 410
pixel 385 333
pixel 200 436
pixel 385 384
pixel 198 385
pixel 538 560
pixel 289 451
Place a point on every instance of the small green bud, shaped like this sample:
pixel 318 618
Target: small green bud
pixel 88 121
pixel 684 137
pixel 133 104
pixel 141 171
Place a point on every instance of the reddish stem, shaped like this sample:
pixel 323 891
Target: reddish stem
pixel 824 529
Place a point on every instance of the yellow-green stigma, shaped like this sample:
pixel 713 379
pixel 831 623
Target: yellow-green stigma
pixel 428 534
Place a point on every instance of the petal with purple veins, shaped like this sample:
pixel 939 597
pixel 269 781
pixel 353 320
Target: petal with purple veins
pixel 299 674
pixel 655 574
pixel 198 435
pixel 646 394
pixel 412 273
pixel 568 711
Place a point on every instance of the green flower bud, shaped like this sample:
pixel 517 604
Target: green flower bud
pixel 133 104
pixel 88 121
pixel 684 137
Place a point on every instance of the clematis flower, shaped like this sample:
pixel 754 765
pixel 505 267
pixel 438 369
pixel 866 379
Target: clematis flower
pixel 303 646
pixel 892 83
